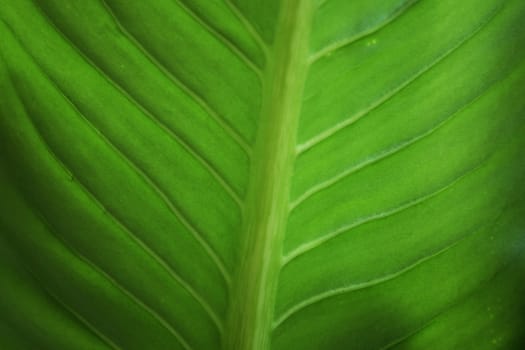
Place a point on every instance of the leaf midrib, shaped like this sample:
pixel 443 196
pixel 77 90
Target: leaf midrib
pixel 251 306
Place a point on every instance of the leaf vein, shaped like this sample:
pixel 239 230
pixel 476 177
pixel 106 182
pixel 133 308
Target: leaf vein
pixel 331 48
pixel 177 82
pixel 213 172
pixel 362 285
pixel 308 246
pixel 124 228
pixel 180 339
pixel 389 152
pixel 248 26
pixel 151 183
pixel 169 203
pixel 454 304
pixel 221 38
pixel 301 148
pixel 105 339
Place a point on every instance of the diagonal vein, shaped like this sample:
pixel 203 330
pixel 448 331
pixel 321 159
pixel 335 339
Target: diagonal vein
pixel 301 148
pixel 177 82
pixel 331 48
pixel 387 153
pixel 135 238
pixel 358 286
pixel 88 325
pixel 82 320
pixel 454 304
pixel 308 246
pixel 248 26
pixel 362 285
pixel 115 284
pixel 220 37
pixel 173 208
pixel 321 3
pixel 206 164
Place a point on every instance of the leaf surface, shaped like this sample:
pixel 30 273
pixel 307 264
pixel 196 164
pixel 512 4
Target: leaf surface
pixel 243 174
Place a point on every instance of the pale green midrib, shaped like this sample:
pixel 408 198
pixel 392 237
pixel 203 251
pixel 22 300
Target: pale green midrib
pixel 251 306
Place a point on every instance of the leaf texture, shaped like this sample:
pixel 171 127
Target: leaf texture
pixel 249 175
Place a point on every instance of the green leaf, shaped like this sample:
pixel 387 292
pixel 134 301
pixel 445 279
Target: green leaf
pixel 256 175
